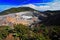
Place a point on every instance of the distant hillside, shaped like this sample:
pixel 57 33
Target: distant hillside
pixel 15 10
pixel 53 18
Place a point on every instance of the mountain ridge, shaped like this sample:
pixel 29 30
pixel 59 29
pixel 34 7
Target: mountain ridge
pixel 15 10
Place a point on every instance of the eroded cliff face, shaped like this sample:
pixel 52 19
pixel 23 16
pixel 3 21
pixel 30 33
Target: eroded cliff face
pixel 15 21
pixel 25 18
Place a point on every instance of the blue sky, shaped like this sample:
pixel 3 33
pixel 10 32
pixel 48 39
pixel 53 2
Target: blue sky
pixel 36 4
pixel 20 2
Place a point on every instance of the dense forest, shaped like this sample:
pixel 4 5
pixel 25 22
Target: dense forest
pixel 21 32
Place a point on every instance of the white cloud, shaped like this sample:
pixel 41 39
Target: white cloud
pixel 35 7
pixel 49 6
pixel 29 5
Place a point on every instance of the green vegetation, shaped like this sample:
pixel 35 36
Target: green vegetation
pixel 15 10
pixel 4 31
pixel 22 32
